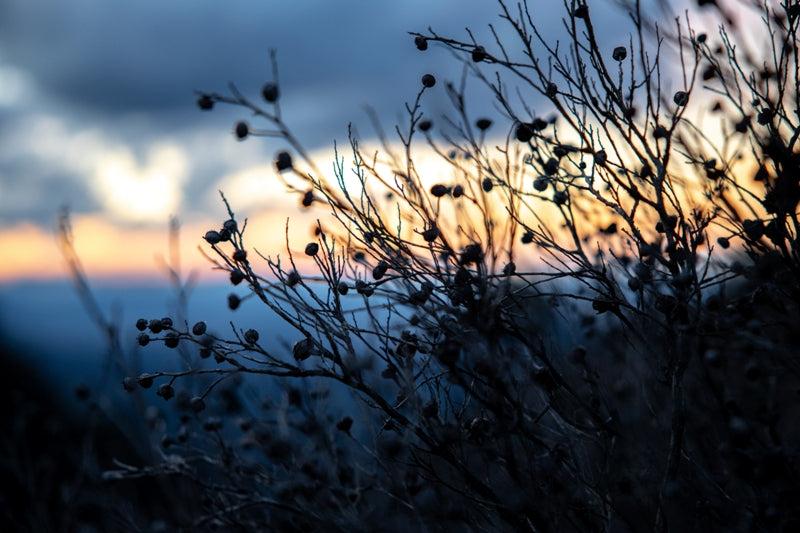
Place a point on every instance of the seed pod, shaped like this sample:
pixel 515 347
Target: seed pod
pixel 293 278
pixel 129 384
pixel 581 12
pixel 478 54
pixel 312 249
pixel 380 270
pixel 438 190
pixel 342 288
pixel 171 340
pixel 551 90
pixel 270 92
pixel 527 237
pixel 212 237
pixel 251 336
pixel 166 391
pixel 560 197
pixel 619 53
pixel 233 302
pixel 199 328
pixel 302 349
pixel 600 157
pixel 458 191
pixel 155 326
pixel 205 102
pixel 308 198
pixel 483 124
pixel 681 98
pixel 660 132
pixel 283 161
pixel 141 324
pixel 524 132
pixel 364 288
pixel 487 184
pixel 421 42
pixel 430 234
pixel 240 255
pixel 724 243
pixel 143 339
pixel 425 125
pixel 428 80
pixel 541 183
pixel 551 166
pixel 539 124
pixel 236 276
pixel 242 129
pixel 145 381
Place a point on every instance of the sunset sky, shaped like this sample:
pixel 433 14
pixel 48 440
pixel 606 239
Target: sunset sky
pixel 98 113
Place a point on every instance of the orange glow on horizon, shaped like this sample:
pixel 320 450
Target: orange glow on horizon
pixel 130 255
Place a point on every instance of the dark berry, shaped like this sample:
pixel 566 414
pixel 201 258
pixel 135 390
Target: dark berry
pixel 619 53
pixel 171 340
pixel 143 339
pixel 129 384
pixel 141 324
pixel 212 237
pixel 438 190
pixel 293 278
pixel 155 326
pixel 600 157
pixel 421 42
pixel 233 302
pixel 251 336
pixel 283 161
pixel 308 198
pixel 483 124
pixel 458 191
pixel 230 225
pixel 681 98
pixel 205 102
pixel 145 381
pixel 487 184
pixel 166 322
pixel 199 328
pixel 236 276
pixel 478 54
pixel 428 80
pixel 242 129
pixel 342 288
pixel 380 270
pixel 430 234
pixel 311 249
pixel 425 125
pixel 240 255
pixel 541 183
pixel 551 166
pixel 270 92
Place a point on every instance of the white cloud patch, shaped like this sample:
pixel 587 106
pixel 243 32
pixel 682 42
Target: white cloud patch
pixel 134 192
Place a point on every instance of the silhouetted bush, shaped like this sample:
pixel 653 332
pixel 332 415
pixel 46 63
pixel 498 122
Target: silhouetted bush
pixel 589 325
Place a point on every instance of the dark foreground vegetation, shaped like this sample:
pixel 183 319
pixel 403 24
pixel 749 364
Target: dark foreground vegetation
pixel 588 325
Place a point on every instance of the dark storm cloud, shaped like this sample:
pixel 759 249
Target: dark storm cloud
pixel 149 56
pixel 128 71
